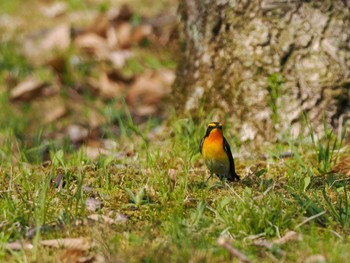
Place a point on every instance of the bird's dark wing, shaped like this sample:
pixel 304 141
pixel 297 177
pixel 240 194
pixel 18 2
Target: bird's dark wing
pixel 232 162
pixel 201 145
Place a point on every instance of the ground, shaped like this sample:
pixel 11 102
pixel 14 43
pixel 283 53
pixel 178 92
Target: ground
pixel 106 180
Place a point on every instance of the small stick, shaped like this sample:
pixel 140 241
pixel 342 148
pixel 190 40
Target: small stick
pixel 222 241
pixel 229 187
pixel 310 218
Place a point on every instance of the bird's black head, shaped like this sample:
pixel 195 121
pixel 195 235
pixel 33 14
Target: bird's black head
pixel 211 126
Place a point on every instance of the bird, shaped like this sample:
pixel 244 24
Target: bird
pixel 217 153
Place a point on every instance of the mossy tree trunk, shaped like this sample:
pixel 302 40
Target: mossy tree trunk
pixel 264 63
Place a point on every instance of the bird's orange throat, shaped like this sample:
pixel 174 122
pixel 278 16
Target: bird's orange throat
pixel 215 136
pixel 213 146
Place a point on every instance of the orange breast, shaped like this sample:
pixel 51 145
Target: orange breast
pixel 213 146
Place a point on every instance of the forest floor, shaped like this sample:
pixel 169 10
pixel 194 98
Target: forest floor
pixel 96 167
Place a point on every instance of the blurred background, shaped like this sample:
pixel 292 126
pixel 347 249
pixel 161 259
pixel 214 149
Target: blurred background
pixel 71 72
pixel 80 72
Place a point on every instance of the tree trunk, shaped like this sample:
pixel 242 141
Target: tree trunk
pixel 264 63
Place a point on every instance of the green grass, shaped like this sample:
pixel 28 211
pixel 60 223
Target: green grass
pixel 157 184
pixel 177 218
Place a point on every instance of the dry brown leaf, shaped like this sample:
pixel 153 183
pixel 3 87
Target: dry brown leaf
pixel 108 88
pixel 99 25
pixel 263 243
pixel 102 218
pixel 54 10
pixel 55 113
pixel 78 256
pixel 17 245
pixel 141 32
pixel 93 204
pixel 121 218
pixel 111 36
pixel 156 133
pixel 94 149
pixel 119 58
pixel 148 90
pixel 105 87
pixel 96 119
pixel 57 63
pixel 27 89
pixel 289 236
pixel 116 15
pixel 225 243
pixel 57 39
pixel 172 173
pixel 343 165
pixel 74 255
pixel 123 33
pixel 70 243
pixel 94 44
pixel 47 110
pixel 315 259
pixel 77 133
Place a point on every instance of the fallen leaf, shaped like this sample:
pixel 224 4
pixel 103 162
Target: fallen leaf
pixel 116 15
pixel 77 133
pixel 70 243
pixel 172 173
pixel 156 133
pixel 263 243
pixel 27 89
pixel 141 32
pixel 111 36
pixel 18 245
pixel 54 10
pixel 110 144
pixel 343 165
pixel 55 113
pixel 57 39
pixel 59 180
pixel 94 149
pixel 289 236
pixel 99 25
pixel 315 259
pixel 75 255
pixel 270 246
pixel 123 33
pixel 30 234
pixel 57 63
pixel 119 58
pixel 225 243
pixel 146 93
pixel 107 88
pixel 164 27
pixel 87 188
pixel 121 218
pixel 96 120
pixel 93 204
pixel 93 44
pixel 102 218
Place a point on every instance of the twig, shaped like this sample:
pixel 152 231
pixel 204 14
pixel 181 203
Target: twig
pixel 336 234
pixel 289 236
pixel 222 241
pixel 309 219
pixel 234 192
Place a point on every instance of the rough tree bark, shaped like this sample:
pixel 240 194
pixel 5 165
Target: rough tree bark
pixel 265 62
